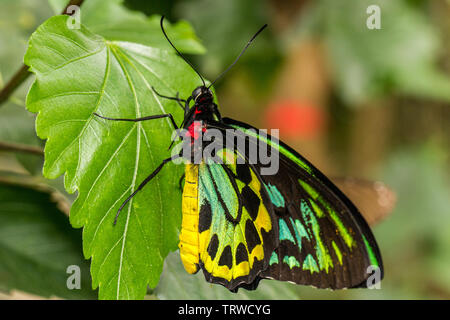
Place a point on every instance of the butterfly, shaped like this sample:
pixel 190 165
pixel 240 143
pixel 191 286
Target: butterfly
pixel 240 226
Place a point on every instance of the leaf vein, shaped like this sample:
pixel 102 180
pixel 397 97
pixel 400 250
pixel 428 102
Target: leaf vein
pixel 138 136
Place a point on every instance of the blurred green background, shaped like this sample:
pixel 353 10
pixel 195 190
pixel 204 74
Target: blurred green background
pixel 372 104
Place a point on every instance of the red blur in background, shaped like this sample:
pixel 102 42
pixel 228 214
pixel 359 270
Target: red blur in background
pixel 295 119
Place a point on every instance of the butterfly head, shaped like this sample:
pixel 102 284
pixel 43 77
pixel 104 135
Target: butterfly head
pixel 202 95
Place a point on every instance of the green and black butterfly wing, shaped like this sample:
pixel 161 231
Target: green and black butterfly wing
pixel 236 223
pixel 322 238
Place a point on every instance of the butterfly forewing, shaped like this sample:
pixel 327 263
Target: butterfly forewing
pixel 236 226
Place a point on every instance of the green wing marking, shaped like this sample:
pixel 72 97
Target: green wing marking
pixel 236 226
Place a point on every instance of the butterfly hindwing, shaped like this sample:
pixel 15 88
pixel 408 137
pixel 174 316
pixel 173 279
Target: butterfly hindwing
pixel 320 244
pixel 323 239
pixel 236 226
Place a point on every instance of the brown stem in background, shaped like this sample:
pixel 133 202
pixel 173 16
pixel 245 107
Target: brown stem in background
pixel 16 147
pixel 285 13
pixel 15 81
pixel 371 128
pixel 22 74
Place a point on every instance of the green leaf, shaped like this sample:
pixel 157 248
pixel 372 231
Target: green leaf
pixel 57 5
pixel 79 73
pixel 260 60
pixel 401 57
pixel 177 284
pixel 113 21
pixel 416 239
pixel 37 245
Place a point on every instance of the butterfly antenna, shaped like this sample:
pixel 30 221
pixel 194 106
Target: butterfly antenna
pixel 239 56
pixel 179 53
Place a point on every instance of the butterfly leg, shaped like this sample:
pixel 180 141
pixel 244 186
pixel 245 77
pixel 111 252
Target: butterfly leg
pixel 177 98
pixel 186 116
pixel 159 116
pixel 186 107
pixel 143 183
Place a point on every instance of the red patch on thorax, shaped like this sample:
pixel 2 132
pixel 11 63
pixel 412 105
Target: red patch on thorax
pixel 194 129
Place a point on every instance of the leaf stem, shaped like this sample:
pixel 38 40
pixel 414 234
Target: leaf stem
pixel 17 147
pixel 22 74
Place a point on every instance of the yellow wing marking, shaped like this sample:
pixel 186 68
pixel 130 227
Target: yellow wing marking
pixel 262 221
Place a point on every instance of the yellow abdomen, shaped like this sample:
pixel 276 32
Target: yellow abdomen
pixel 189 236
